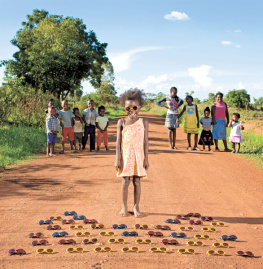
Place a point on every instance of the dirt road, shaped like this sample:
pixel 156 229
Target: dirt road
pixel 222 185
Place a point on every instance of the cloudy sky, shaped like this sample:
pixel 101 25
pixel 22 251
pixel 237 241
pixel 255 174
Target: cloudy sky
pixel 202 46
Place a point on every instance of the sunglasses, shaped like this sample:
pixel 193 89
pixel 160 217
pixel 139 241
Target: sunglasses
pixel 76 217
pixel 230 237
pixel 223 245
pixel 71 250
pixel 158 250
pixel 112 240
pixel 55 218
pixel 193 243
pixel 196 222
pixel 83 234
pixel 41 242
pixel 47 251
pixel 186 251
pixel 202 236
pixel 130 233
pixel 65 242
pixel 175 221
pixel 129 108
pixel 195 215
pixel 143 241
pixel 218 224
pixel 41 222
pixel 186 229
pixel 16 251
pixel 169 242
pixel 76 227
pixel 107 234
pixel 56 234
pixel 90 221
pixel 162 227
pixel 157 234
pixel 142 227
pixel 35 235
pixel 90 241
pixel 70 221
pixel 132 249
pixel 97 226
pixel 184 217
pixel 214 252
pixel 53 227
pixel 69 213
pixel 209 230
pixel 99 249
pixel 245 253
pixel 206 218
pixel 181 235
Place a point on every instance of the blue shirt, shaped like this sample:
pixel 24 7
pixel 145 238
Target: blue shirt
pixel 65 117
pixel 52 124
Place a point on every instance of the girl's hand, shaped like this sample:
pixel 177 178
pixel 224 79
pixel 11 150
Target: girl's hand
pixel 146 164
pixel 177 120
pixel 214 122
pixel 118 165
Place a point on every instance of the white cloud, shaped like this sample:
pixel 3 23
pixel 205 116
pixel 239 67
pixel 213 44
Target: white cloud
pixel 200 75
pixel 241 86
pixel 176 15
pixel 237 31
pixel 123 61
pixel 229 43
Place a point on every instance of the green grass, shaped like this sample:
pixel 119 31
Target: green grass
pixel 19 143
pixel 113 112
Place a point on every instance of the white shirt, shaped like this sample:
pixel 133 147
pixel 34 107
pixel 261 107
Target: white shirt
pixel 236 131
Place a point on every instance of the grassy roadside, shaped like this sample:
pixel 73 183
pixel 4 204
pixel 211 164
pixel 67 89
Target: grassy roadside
pixel 251 146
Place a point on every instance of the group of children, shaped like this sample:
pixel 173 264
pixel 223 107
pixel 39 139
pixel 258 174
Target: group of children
pixel 71 127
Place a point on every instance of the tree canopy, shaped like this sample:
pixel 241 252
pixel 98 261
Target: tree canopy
pixel 55 54
pixel 238 98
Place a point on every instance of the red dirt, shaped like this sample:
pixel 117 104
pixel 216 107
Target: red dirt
pixel 222 185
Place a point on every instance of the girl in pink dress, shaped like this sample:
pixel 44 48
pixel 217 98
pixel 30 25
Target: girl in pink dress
pixel 132 148
pixel 235 135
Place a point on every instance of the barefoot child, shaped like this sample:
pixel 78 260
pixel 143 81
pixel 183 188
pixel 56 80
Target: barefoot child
pixel 77 127
pixel 172 104
pixel 52 128
pixel 235 135
pixel 102 123
pixel 66 122
pixel 191 124
pixel 206 137
pixel 132 148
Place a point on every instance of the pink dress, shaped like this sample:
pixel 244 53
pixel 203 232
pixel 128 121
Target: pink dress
pixel 132 150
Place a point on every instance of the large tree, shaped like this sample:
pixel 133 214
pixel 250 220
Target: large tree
pixel 55 54
pixel 238 98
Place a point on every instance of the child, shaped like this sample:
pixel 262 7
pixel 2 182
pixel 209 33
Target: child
pixel 235 135
pixel 102 124
pixel 51 103
pixel 77 127
pixel 66 122
pixel 206 137
pixel 191 124
pixel 132 148
pixel 52 128
pixel 172 104
pixel 89 116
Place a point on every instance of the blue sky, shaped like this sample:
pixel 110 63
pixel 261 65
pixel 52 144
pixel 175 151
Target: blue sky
pixel 202 46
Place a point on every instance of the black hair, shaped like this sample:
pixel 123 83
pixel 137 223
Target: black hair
pixel 132 94
pixel 74 109
pixel 189 96
pixel 220 93
pixel 173 89
pixel 236 114
pixel 101 107
pixel 90 100
pixel 49 100
pixel 207 109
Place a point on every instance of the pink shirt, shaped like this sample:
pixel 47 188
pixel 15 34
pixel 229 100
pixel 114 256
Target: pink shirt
pixel 220 110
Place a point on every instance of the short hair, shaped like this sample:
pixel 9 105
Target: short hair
pixel 49 100
pixel 90 100
pixel 236 114
pixel 189 96
pixel 220 93
pixel 100 108
pixel 74 109
pixel 207 109
pixel 132 94
pixel 173 89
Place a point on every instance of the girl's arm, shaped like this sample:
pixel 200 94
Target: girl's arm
pixel 181 112
pixel 80 118
pixel 106 126
pixel 98 127
pixel 197 116
pixel 158 103
pixel 230 124
pixel 227 116
pixel 118 145
pixel 213 114
pixel 146 144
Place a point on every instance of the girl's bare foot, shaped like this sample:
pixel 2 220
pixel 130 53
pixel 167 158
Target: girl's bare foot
pixel 51 155
pixel 137 212
pixel 123 212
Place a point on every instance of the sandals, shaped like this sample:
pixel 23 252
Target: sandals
pixel 61 152
pixel 189 148
pixel 198 149
pixel 73 151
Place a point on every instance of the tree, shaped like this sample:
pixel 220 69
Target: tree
pixel 238 98
pixel 258 103
pixel 55 54
pixel 191 93
pixel 211 97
